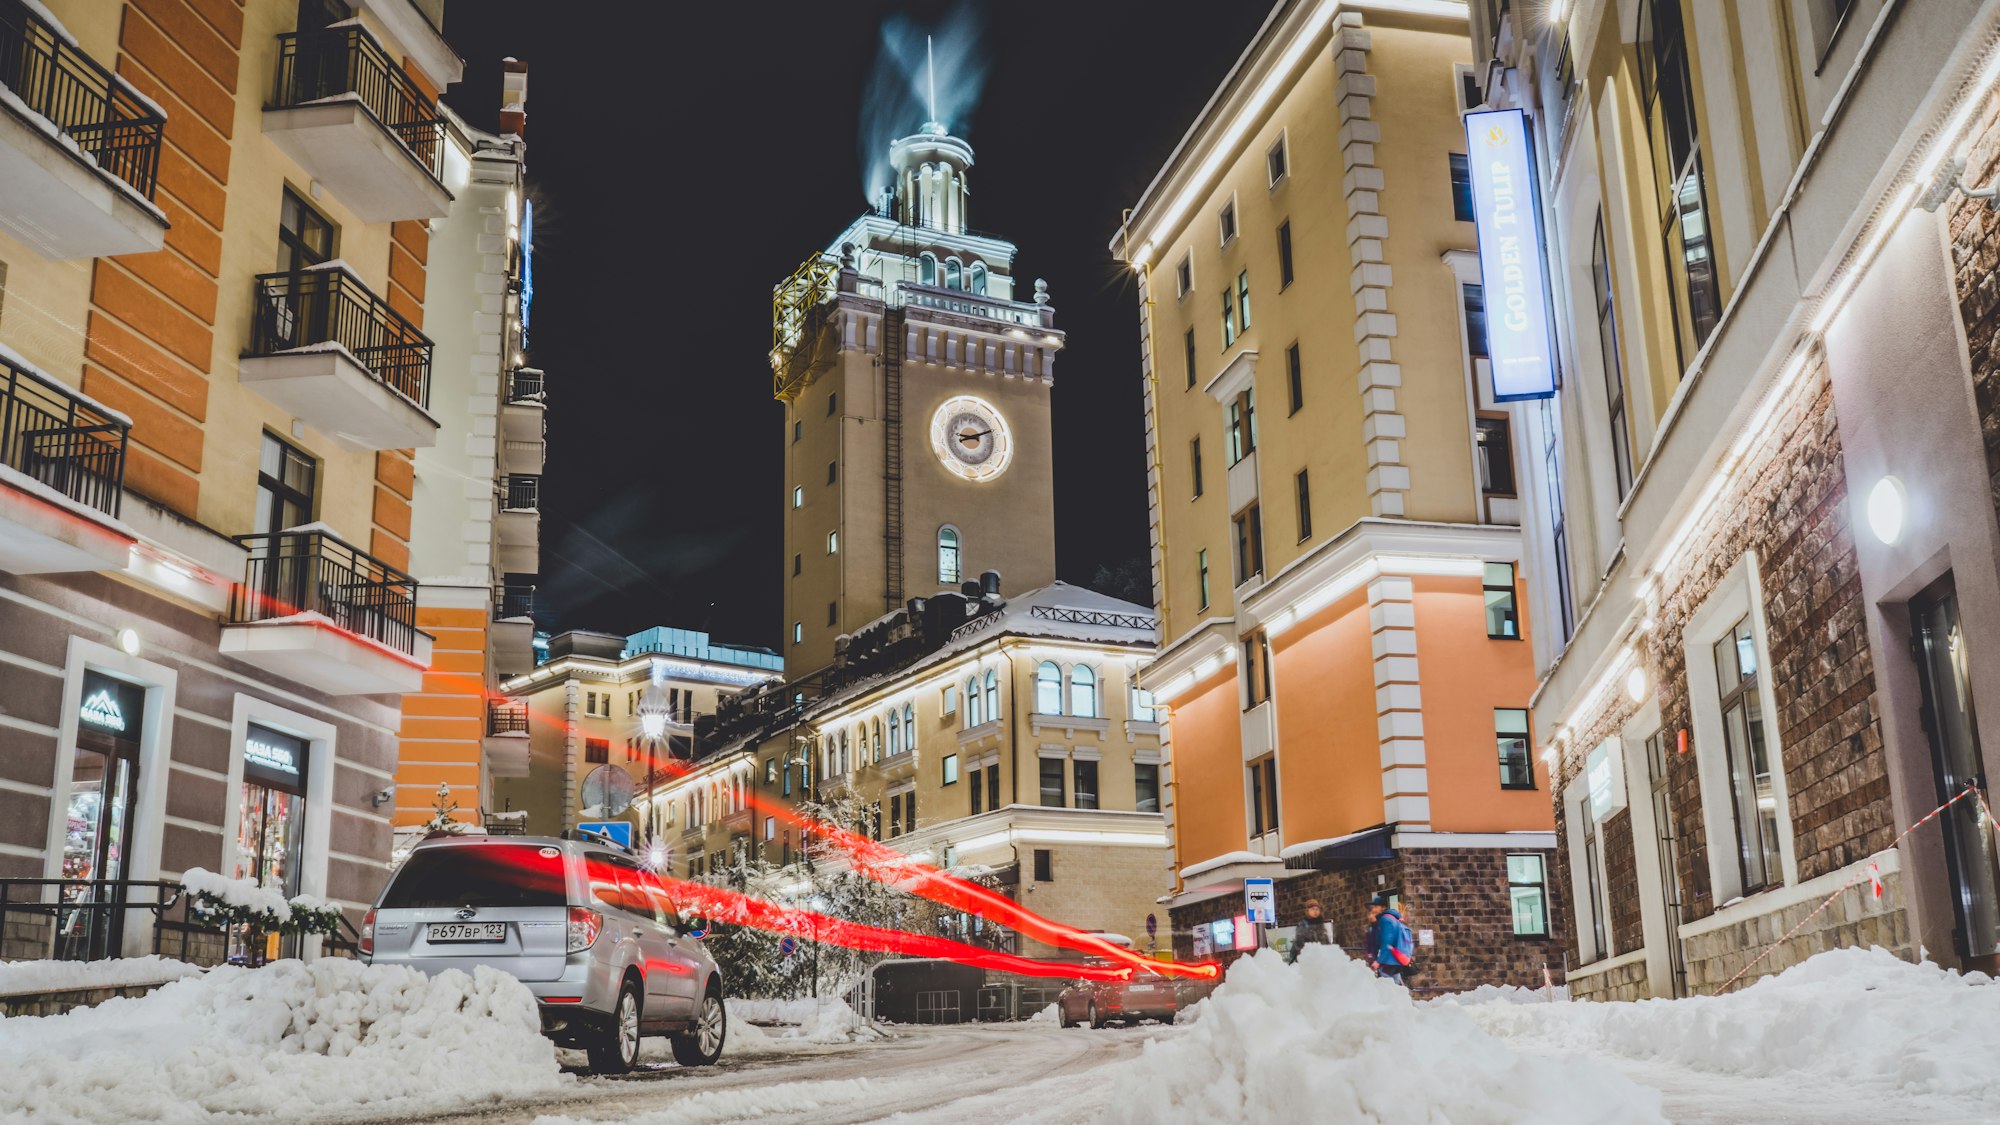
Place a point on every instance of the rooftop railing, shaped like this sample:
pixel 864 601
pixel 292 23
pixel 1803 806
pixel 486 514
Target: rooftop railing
pixel 54 78
pixel 346 62
pixel 296 572
pixel 327 306
pixel 59 440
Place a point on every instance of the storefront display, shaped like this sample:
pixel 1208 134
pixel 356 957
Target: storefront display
pixel 103 786
pixel 270 824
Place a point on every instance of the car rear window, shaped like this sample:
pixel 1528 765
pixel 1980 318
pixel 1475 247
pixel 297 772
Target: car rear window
pixel 479 875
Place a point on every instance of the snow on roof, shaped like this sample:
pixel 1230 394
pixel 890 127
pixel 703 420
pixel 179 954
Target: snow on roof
pixel 1225 860
pixel 1299 849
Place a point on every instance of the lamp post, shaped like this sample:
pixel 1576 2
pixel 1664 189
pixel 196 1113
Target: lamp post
pixel 655 709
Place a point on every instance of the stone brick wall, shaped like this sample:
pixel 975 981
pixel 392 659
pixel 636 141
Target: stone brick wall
pixel 1629 981
pixel 1097 888
pixel 1621 876
pixel 27 937
pixel 1459 894
pixel 56 1003
pixel 1975 252
pixel 1855 918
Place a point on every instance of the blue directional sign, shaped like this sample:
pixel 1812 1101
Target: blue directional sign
pixel 619 830
pixel 1519 340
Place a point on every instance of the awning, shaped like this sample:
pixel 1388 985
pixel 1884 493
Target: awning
pixel 1371 845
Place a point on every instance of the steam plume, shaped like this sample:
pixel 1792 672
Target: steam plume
pixel 895 102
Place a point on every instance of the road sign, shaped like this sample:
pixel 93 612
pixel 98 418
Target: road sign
pixel 1260 901
pixel 1152 925
pixel 607 791
pixel 619 830
pixel 788 946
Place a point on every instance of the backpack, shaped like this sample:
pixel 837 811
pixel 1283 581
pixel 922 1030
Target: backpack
pixel 1402 947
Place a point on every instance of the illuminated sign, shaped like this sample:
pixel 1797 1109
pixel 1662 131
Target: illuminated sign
pixel 100 710
pixel 1260 901
pixel 1520 343
pixel 1223 933
pixel 1246 934
pixel 527 266
pixel 274 759
pixel 271 755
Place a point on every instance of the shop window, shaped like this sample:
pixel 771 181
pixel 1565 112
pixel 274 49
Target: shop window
pixel 103 794
pixel 1146 787
pixel 1528 893
pixel 1753 799
pixel 1502 617
pixel 1510 732
pixel 1052 783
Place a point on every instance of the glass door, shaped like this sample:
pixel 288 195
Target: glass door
pixel 269 832
pixel 1669 856
pixel 98 820
pixel 1939 644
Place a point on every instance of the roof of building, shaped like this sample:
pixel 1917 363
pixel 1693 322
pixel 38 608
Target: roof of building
pixel 695 645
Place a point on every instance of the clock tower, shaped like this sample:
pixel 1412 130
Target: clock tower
pixel 916 388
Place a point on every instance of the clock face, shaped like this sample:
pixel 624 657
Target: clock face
pixel 971 438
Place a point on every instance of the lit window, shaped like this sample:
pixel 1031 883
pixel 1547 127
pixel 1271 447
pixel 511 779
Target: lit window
pixel 1048 688
pixel 798 632
pixel 799 496
pixel 1082 692
pixel 974 714
pixel 952 273
pixel 948 556
pixel 1753 798
pixel 1461 188
pixel 1527 890
pixel 1142 705
pixel 978 273
pixel 1502 617
pixel 927 269
pixel 992 695
pixel 833 542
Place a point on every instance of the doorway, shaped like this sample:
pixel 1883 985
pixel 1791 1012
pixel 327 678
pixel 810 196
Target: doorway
pixel 1669 859
pixel 98 820
pixel 1939 645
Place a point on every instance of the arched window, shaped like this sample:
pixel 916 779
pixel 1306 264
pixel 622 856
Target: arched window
pixel 878 739
pixel 1082 692
pixel 992 694
pixel 895 735
pixel 841 762
pixel 910 727
pixel 927 268
pixel 1048 688
pixel 952 276
pixel 978 275
pixel 973 716
pixel 949 569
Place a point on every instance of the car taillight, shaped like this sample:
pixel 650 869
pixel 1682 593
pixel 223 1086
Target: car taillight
pixel 368 933
pixel 584 924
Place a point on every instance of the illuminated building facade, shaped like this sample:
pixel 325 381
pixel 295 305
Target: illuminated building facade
pixel 1763 635
pixel 215 369
pixel 1335 500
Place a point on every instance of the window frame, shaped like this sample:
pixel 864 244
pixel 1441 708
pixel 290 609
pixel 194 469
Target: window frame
pixel 1488 587
pixel 1746 698
pixel 1508 730
pixel 956 548
pixel 1262 794
pixel 1191 379
pixel 1242 302
pixel 1277 162
pixel 1540 885
pixel 1612 359
pixel 1295 377
pixel 1078 769
pixel 1194 463
pixel 1184 275
pixel 1463 209
pixel 1302 494
pixel 1226 225
pixel 1248 537
pixel 1045 683
pixel 1491 487
pixel 1140 786
pixel 1083 693
pixel 1053 769
pixel 1201 567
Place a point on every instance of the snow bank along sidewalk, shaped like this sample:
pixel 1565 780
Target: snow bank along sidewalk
pixel 1323 1040
pixel 1858 1019
pixel 22 978
pixel 284 1042
pixel 826 1020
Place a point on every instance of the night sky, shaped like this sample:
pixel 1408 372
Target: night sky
pixel 684 158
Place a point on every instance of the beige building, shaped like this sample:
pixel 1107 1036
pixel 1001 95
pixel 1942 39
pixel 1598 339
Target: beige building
pixel 586 709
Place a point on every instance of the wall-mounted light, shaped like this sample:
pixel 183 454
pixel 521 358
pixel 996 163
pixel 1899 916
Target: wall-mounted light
pixel 1888 508
pixel 128 641
pixel 1635 684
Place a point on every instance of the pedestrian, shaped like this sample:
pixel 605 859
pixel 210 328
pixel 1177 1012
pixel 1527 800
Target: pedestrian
pixel 1388 944
pixel 1311 931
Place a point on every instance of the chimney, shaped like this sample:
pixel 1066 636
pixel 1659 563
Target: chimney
pixel 989 583
pixel 514 96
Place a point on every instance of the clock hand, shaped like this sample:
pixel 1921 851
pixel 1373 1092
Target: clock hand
pixel 973 437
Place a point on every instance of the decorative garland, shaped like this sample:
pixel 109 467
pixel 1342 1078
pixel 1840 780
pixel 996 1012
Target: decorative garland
pixel 308 916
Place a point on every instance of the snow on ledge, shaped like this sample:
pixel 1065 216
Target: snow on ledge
pixel 1296 850
pixel 20 978
pixel 1226 859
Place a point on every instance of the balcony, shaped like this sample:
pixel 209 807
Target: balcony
pixel 518 525
pixel 79 149
pixel 62 475
pixel 317 610
pixel 523 456
pixel 513 629
pixel 337 356
pixel 506 741
pixel 523 412
pixel 357 123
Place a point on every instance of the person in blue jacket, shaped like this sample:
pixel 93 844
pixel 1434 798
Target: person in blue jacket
pixel 1389 945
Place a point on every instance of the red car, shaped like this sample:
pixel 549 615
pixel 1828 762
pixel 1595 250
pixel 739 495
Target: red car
pixel 1146 995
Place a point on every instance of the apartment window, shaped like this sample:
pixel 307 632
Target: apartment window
pixel 1184 275
pixel 798 632
pixel 1461 188
pixel 1086 785
pixel 1752 797
pixel 1295 378
pixel 287 480
pixel 1256 669
pixel 788 779
pixel 1274 161
pixel 896 734
pixel 596 750
pixel 1249 525
pixel 927 270
pixel 1044 866
pixel 1194 462
pixel 1614 368
pixel 1226 222
pixel 992 695
pixel 1190 359
pixel 1052 782
pixel 1228 317
pixel 951 769
pixel 950 705
pixel 1048 688
pixel 832 471
pixel 1146 787
pixel 896 814
pixel 1474 299
pixel 909 727
pixel 1668 96
pixel 1082 692
pixel 833 613
pixel 1502 618
pixel 833 542
pixel 1201 570
pixel 798 431
pixel 305 237
pixel 1141 707
pixel 1243 301
pixel 770 771
pixel 832 403
pixel 799 496
pixel 977 793
pixel 973 717
pixel 1285 274
pixel 1558 518
pixel 949 568
pixel 993 786
pixel 1263 777
pixel 1241 425
pixel 798 565
pixel 1303 489
pixel 1510 732
pixel 1494 442
pixel 1528 893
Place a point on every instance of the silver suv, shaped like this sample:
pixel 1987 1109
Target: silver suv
pixel 592 933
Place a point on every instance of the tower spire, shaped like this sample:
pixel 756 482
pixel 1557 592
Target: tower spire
pixel 930 67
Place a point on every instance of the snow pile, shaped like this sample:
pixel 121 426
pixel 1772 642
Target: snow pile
pixel 1502 994
pixel 1859 1019
pixel 243 893
pixel 19 978
pixel 1050 1014
pixel 827 1020
pixel 1323 1040
pixel 281 1043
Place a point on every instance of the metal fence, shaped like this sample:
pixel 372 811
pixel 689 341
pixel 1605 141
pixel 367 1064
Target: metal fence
pixel 506 718
pixel 524 492
pixel 513 600
pixel 55 79
pixel 525 384
pixel 331 306
pixel 295 572
pixel 938 1007
pixel 57 439
pixel 319 66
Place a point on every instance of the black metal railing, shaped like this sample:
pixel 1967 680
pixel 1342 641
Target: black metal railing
pixel 524 385
pixel 509 717
pixel 86 918
pixel 53 78
pixel 513 600
pixel 1092 617
pixel 524 492
pixel 319 308
pixel 293 572
pixel 59 440
pixel 322 66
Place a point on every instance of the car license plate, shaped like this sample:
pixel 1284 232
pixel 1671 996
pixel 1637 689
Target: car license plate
pixel 468 931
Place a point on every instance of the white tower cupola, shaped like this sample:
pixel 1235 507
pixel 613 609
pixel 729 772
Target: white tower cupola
pixel 930 179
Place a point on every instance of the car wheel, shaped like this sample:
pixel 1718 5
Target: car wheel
pixel 1095 1021
pixel 703 1045
pixel 1062 1015
pixel 617 1051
